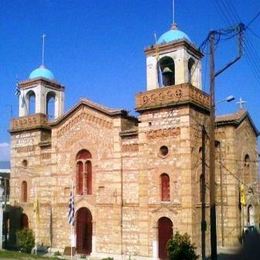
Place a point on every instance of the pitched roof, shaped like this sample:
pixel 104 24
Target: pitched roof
pixel 235 119
pixel 100 108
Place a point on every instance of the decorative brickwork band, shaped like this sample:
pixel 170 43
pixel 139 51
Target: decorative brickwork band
pixel 172 95
pixel 29 122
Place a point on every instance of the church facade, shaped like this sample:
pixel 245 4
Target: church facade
pixel 136 180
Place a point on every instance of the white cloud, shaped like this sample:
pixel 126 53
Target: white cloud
pixel 4 152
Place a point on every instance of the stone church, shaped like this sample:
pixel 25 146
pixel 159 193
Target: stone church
pixel 137 180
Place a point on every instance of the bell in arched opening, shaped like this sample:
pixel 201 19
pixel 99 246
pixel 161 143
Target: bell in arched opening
pixel 167 69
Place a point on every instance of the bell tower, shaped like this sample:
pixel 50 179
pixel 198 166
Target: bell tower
pixel 172 110
pixel 41 93
pixel 173 60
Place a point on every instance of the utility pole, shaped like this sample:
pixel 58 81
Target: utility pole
pixel 203 195
pixel 212 40
pixel 221 196
pixel 213 230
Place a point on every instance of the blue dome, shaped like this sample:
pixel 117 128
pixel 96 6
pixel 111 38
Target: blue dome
pixel 41 72
pixel 172 35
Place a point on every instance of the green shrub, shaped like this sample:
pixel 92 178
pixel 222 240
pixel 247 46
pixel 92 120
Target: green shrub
pixel 25 240
pixel 57 253
pixel 180 248
pixel 108 258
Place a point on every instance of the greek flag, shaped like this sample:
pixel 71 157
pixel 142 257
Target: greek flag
pixel 71 212
pixel 17 91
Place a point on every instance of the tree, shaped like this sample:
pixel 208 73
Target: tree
pixel 25 240
pixel 181 248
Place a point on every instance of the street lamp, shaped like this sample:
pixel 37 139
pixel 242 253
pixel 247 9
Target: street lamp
pixel 227 99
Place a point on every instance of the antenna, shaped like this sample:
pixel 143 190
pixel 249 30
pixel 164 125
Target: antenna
pixel 173 12
pixel 43 41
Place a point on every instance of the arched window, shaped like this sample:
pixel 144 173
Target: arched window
pixel 250 215
pixel 88 176
pixel 247 169
pixel 246 161
pixel 50 105
pixel 83 172
pixel 191 68
pixel 166 71
pixel 165 187
pixel 31 102
pixel 24 191
pixel 79 178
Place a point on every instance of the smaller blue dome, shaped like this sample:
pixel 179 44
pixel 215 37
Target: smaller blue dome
pixel 172 35
pixel 41 72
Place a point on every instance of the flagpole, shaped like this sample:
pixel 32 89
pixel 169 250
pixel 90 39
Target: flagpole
pixel 35 217
pixel 71 242
pixel 71 219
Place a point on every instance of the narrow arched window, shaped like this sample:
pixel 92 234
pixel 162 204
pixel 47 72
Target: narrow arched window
pixel 31 102
pixel 89 177
pixel 166 71
pixel 24 191
pixel 79 178
pixel 83 172
pixel 50 105
pixel 165 187
pixel 246 161
pixel 247 169
pixel 191 69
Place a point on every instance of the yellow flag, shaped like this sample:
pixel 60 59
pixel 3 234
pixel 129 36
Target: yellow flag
pixel 36 208
pixel 242 195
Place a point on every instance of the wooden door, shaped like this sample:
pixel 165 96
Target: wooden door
pixel 164 234
pixel 84 231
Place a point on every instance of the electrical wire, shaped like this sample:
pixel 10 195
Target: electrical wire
pixel 253 19
pixel 253 33
pixel 252 55
pixel 233 10
pixel 222 12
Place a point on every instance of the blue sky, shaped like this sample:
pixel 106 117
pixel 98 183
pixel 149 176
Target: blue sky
pixel 95 48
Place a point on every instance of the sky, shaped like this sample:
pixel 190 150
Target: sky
pixel 95 48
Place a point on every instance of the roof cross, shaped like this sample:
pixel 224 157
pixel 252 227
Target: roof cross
pixel 241 103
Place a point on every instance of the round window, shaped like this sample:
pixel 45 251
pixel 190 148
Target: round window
pixel 24 163
pixel 164 150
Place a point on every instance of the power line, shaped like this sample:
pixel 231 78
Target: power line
pixel 236 177
pixel 253 33
pixel 251 55
pixel 222 12
pixel 233 11
pixel 253 19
